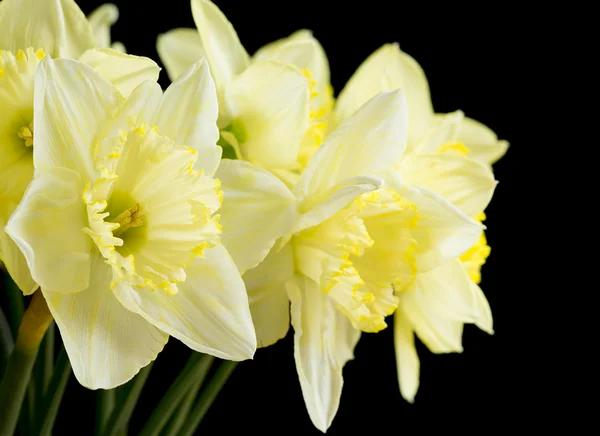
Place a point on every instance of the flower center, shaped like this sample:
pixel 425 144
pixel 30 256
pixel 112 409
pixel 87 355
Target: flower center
pixel 26 134
pixel 454 147
pixel 321 104
pixel 129 218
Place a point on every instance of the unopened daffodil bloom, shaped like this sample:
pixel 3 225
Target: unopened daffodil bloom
pixel 353 241
pixel 101 20
pixel 452 156
pixel 274 106
pixel 30 31
pixel 119 224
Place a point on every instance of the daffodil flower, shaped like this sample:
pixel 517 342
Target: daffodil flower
pixel 389 68
pixel 353 241
pixel 450 155
pixel 31 31
pixel 274 106
pixel 119 224
pixel 101 20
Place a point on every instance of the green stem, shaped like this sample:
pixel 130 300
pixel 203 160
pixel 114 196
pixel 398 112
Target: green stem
pixel 121 415
pixel 42 372
pixel 104 408
pixel 207 396
pixel 56 389
pixel 196 366
pixel 184 408
pixel 18 371
pixel 6 342
pixel 16 306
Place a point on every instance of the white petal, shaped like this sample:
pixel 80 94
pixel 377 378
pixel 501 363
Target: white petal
pixel 464 182
pixel 188 115
pixel 364 145
pixel 72 104
pixel 388 69
pixel 124 71
pixel 407 360
pixel 481 141
pixel 179 49
pixel 324 341
pixel 267 295
pixel 226 55
pixel 443 231
pixel 56 26
pixel 107 344
pixel 101 20
pixel 47 226
pixel 269 103
pixel 252 195
pixel 210 311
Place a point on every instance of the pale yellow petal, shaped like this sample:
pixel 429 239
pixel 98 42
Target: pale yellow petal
pixel 366 144
pixel 319 207
pixel 269 106
pixel 267 295
pixel 101 20
pixel 443 134
pixel 223 49
pixel 439 302
pixel 483 312
pixel 252 195
pixel 482 142
pixel 14 180
pixel 124 71
pixel 73 103
pixel 56 26
pixel 179 49
pixel 324 341
pixel 407 360
pixel 107 344
pixel 209 313
pixel 443 232
pixel 388 69
pixel 47 227
pixel 11 255
pixel 188 115
pixel 463 181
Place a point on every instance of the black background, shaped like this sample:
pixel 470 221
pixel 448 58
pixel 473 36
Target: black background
pixel 472 57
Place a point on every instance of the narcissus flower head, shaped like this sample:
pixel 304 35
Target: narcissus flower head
pixel 31 31
pixel 119 224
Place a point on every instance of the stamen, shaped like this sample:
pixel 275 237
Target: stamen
pixel 128 219
pixel 26 133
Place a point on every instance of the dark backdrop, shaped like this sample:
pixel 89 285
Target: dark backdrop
pixel 470 56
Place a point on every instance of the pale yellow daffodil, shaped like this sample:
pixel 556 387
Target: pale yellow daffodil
pixel 101 20
pixel 351 240
pixel 30 31
pixel 119 224
pixel 450 155
pixel 274 106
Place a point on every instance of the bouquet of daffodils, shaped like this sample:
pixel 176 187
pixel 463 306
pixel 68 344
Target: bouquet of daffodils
pixel 243 198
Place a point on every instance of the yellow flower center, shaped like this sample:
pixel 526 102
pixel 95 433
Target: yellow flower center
pixel 150 213
pixel 454 147
pixel 476 256
pixel 129 218
pixel 321 104
pixel 26 134
pixel 356 255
